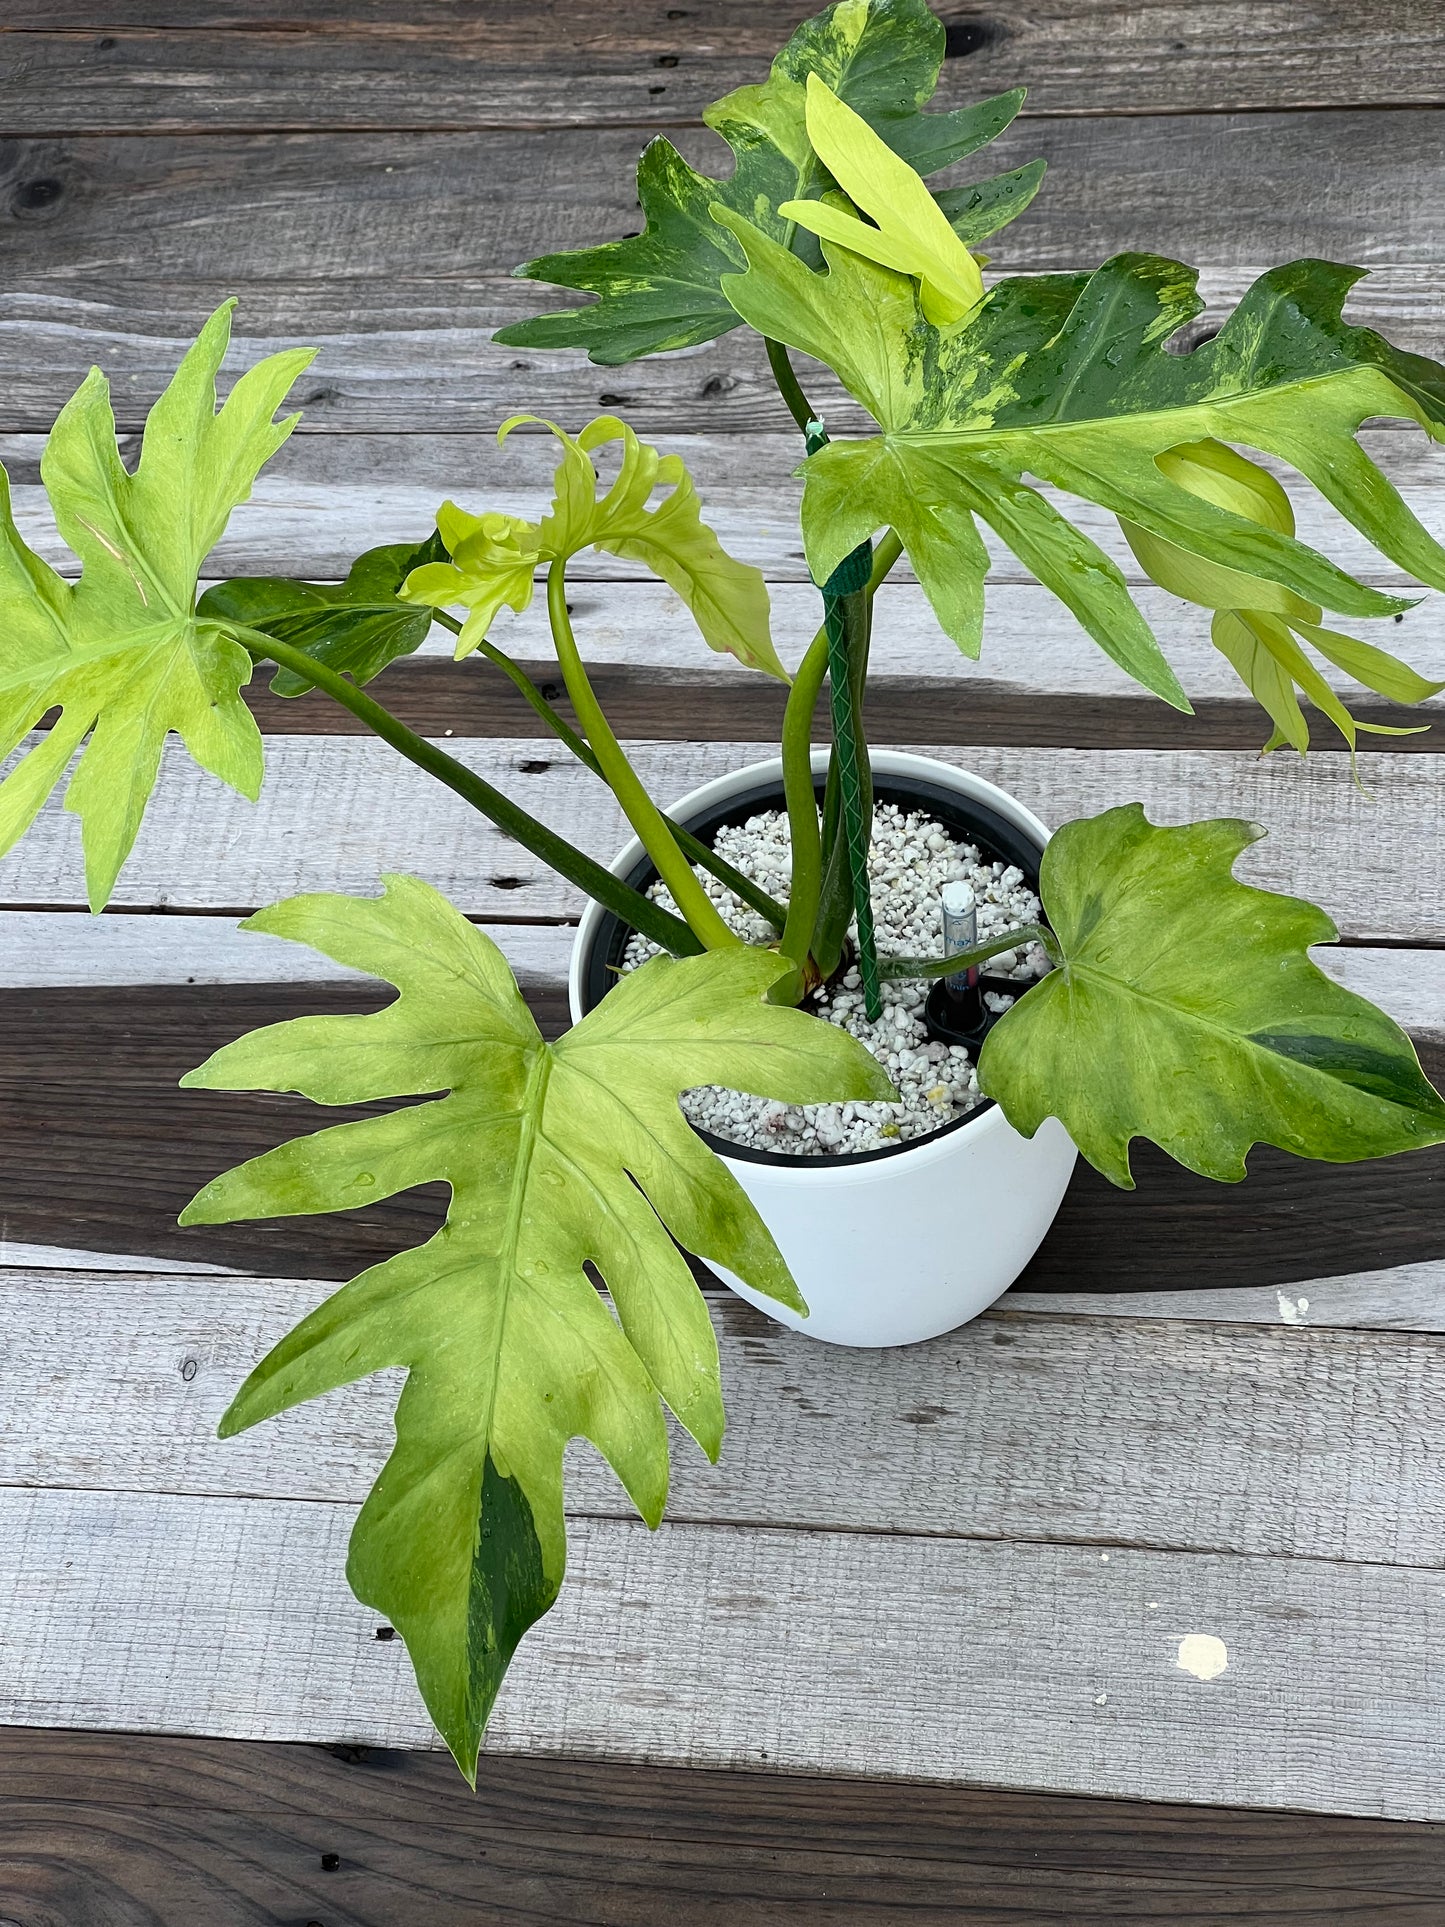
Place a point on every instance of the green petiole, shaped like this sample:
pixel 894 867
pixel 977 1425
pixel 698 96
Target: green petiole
pixel 641 812
pixel 893 969
pixel 655 923
pixel 696 852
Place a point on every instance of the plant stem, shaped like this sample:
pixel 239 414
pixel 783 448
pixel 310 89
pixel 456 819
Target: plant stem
pixel 804 833
pixel 555 851
pixel 789 387
pixel 894 968
pixel 641 812
pixel 800 800
pixel 696 852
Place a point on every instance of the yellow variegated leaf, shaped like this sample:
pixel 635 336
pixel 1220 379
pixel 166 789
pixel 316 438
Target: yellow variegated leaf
pixel 912 234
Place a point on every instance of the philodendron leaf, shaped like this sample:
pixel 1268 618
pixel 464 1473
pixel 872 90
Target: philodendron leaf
pixel 1065 378
pixel 494 557
pixel 355 627
pixel 559 1156
pixel 906 228
pixel 1185 1009
pixel 660 288
pixel 1256 622
pixel 123 653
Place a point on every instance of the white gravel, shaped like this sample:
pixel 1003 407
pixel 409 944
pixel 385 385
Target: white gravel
pixel 912 857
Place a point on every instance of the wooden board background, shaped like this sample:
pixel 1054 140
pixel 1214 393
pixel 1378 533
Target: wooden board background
pixel 1205 1410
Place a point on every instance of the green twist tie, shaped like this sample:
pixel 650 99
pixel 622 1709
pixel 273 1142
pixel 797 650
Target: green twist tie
pixel 850 578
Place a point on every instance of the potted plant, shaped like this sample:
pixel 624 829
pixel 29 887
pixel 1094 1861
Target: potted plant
pixel 749 957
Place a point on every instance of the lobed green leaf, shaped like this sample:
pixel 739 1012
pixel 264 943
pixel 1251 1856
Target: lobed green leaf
pixel 123 654
pixel 559 1157
pixel 1186 1009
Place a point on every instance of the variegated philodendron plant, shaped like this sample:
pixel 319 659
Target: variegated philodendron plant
pixel 1183 1007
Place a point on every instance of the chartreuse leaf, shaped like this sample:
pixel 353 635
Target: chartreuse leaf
pixel 355 627
pixel 494 557
pixel 122 653
pixel 1256 621
pixel 660 288
pixel 558 1156
pixel 1186 1010
pixel 1065 379
pixel 910 231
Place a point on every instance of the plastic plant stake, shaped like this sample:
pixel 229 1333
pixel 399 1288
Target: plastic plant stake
pixel 960 932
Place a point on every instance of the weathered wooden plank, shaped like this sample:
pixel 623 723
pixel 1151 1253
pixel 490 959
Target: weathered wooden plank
pixel 101 1150
pixel 409 352
pixel 329 497
pixel 1374 856
pixel 39 947
pixel 67 68
pixel 56 948
pixel 1303 1442
pixel 1221 190
pixel 175 1829
pixel 1034 1666
pixel 1402 1298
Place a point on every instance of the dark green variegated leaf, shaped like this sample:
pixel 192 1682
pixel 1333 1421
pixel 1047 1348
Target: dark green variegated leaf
pixel 355 627
pixel 660 289
pixel 559 1156
pixel 1186 1010
pixel 1066 379
pixel 123 653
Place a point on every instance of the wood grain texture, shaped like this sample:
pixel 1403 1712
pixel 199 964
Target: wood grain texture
pixel 101 1150
pixel 163 1832
pixel 434 66
pixel 1294 1441
pixel 716 703
pixel 412 352
pixel 42 949
pixel 1218 190
pixel 39 948
pixel 1031 1666
pixel 329 497
pixel 1373 855
pixel 1408 1297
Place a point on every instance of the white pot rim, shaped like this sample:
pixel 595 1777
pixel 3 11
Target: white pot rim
pixel 850 1171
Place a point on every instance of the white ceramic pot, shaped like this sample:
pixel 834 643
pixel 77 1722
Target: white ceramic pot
pixel 887 1247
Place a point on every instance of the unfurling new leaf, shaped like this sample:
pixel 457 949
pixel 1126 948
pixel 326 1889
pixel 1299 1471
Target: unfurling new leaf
pixel 1185 1009
pixel 559 1156
pixel 123 653
pixel 494 557
pixel 1256 622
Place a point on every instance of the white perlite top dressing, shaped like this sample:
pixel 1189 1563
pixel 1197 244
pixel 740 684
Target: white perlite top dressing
pixel 911 859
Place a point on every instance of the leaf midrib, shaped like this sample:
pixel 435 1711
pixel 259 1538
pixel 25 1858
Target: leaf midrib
pixel 932 437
